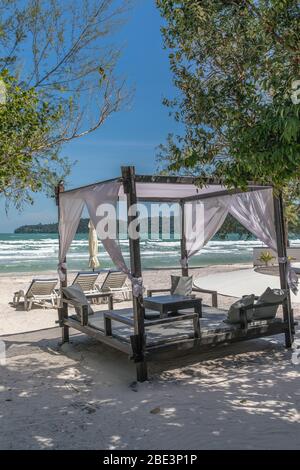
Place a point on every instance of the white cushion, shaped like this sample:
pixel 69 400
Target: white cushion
pixel 233 315
pixel 181 285
pixel 269 296
pixel 76 295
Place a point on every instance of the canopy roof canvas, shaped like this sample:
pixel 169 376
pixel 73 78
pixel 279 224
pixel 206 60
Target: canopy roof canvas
pixel 173 188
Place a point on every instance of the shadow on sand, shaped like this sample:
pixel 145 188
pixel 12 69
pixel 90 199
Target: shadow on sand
pixel 83 396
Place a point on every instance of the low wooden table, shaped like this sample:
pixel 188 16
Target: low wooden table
pixel 165 304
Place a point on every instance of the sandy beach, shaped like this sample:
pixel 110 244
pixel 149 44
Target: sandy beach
pixel 83 395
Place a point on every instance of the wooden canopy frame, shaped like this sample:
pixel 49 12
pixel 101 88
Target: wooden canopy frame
pixel 137 348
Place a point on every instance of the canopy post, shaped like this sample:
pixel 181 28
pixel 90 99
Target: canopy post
pixel 184 258
pixel 63 310
pixel 282 253
pixel 138 340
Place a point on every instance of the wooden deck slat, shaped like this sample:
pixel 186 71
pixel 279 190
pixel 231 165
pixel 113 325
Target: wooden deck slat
pixel 211 340
pixel 113 315
pixel 183 339
pixel 97 334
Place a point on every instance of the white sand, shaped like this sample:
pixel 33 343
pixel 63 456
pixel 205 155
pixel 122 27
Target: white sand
pixel 17 321
pixel 81 395
pixel 244 281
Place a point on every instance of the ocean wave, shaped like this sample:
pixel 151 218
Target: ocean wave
pixel 162 242
pixel 39 253
pixel 235 242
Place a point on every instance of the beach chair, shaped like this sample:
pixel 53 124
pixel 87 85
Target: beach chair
pixel 87 282
pixel 116 282
pixel 40 291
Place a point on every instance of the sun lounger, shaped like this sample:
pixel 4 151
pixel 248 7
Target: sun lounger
pixel 116 282
pixel 87 282
pixel 40 291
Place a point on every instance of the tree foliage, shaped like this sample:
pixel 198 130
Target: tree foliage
pixel 234 63
pixel 25 124
pixel 58 66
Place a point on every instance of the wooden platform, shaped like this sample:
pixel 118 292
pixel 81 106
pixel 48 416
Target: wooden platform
pixel 176 335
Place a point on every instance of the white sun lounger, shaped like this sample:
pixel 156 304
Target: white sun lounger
pixel 87 281
pixel 116 282
pixel 40 291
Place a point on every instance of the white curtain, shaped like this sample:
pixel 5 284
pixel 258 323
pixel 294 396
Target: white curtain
pixel 255 211
pixel 70 209
pixel 202 219
pixel 71 205
pixel 106 193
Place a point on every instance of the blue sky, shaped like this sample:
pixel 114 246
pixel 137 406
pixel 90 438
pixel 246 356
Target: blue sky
pixel 129 137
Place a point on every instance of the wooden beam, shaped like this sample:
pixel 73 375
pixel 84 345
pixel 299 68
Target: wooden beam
pixel 168 200
pixel 92 184
pixel 188 180
pixel 207 342
pixel 166 179
pixel 63 311
pixel 121 318
pixel 282 253
pixel 128 174
pixel 100 336
pixel 224 192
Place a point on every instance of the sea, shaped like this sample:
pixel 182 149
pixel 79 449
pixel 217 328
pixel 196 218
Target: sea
pixel 39 252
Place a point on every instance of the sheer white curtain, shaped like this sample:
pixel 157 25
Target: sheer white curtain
pixel 255 211
pixel 101 201
pixel 202 219
pixel 71 207
pixel 106 194
pixel 70 210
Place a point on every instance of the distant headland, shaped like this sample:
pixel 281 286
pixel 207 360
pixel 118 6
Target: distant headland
pixel 50 228
pixel 230 226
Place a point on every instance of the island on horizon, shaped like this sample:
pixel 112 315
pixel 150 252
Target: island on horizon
pixel 51 228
